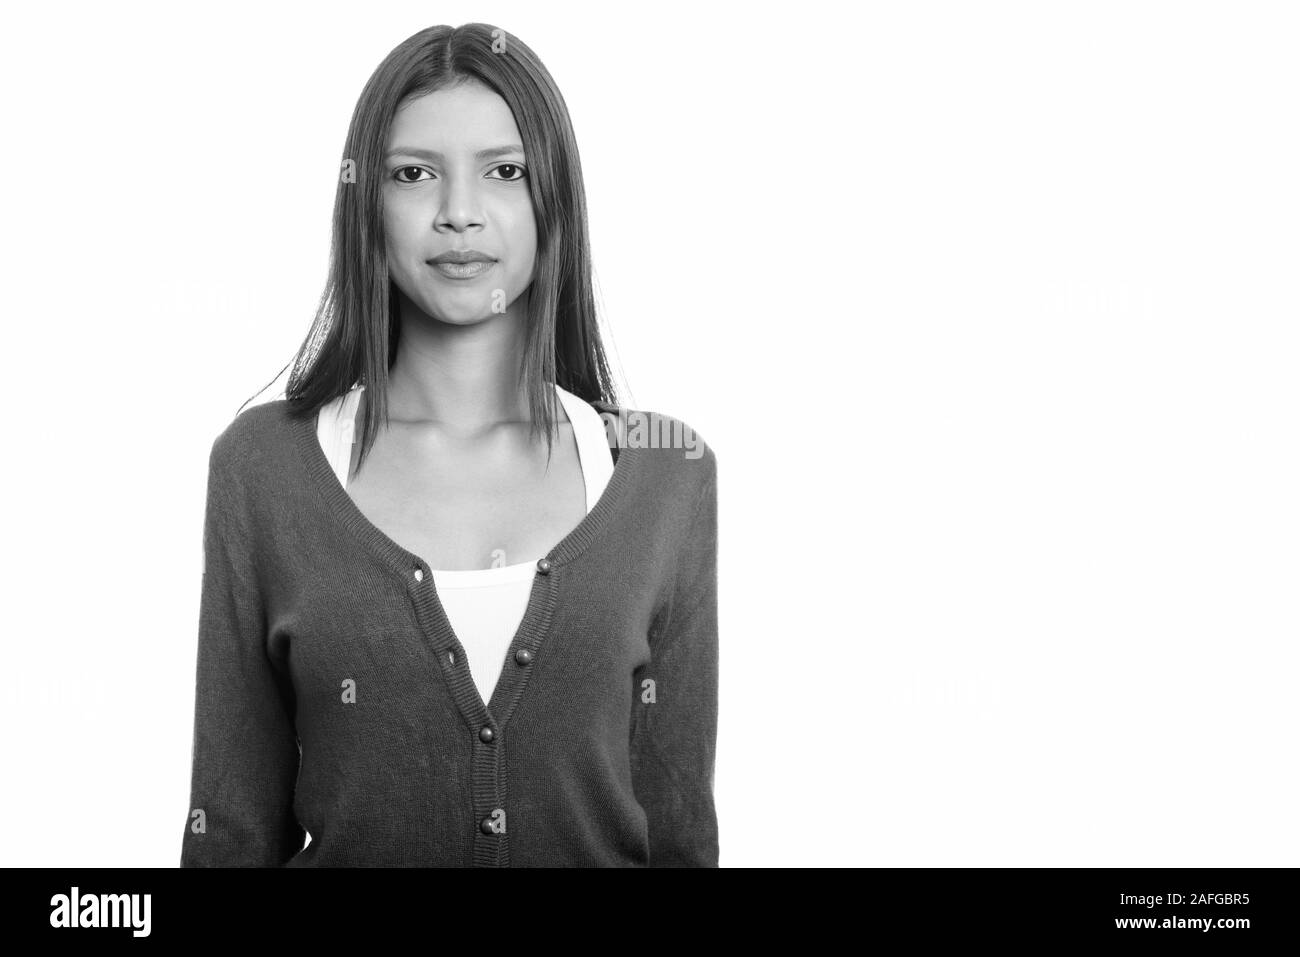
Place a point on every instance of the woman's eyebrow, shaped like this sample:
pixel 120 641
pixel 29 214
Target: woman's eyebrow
pixel 488 153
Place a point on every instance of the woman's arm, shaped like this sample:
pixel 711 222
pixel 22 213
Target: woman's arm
pixel 245 751
pixel 674 738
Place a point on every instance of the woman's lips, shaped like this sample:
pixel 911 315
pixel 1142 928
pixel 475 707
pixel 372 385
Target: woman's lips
pixel 469 270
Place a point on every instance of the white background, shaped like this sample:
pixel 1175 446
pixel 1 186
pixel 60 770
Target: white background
pixel 988 310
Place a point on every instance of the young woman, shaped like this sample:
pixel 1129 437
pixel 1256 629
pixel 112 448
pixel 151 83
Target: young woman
pixel 485 634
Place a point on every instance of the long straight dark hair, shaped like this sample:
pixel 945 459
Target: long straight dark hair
pixel 353 339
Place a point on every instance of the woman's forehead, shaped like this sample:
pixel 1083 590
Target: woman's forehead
pixel 464 118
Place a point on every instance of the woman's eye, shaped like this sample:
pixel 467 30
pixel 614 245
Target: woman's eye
pixel 411 174
pixel 514 168
pixel 407 169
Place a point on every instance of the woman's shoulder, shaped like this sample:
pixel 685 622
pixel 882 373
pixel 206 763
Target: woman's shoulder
pixel 671 446
pixel 256 437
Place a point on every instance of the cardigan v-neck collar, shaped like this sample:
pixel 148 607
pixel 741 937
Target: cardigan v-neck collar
pixel 400 559
pixel 485 718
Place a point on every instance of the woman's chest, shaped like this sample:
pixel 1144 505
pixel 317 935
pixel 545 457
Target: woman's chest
pixel 467 507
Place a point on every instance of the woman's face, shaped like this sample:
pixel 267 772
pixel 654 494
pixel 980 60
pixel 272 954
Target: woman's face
pixel 454 179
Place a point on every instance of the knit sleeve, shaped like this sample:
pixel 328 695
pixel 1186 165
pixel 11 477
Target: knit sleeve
pixel 676 717
pixel 245 750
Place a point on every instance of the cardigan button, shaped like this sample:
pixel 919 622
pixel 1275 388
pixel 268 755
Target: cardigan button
pixel 523 656
pixel 544 566
pixel 485 734
pixel 494 823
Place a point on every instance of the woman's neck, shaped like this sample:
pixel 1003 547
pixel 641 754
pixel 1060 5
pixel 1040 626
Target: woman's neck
pixel 461 377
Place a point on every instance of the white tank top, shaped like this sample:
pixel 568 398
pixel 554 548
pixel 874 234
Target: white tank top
pixel 484 606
